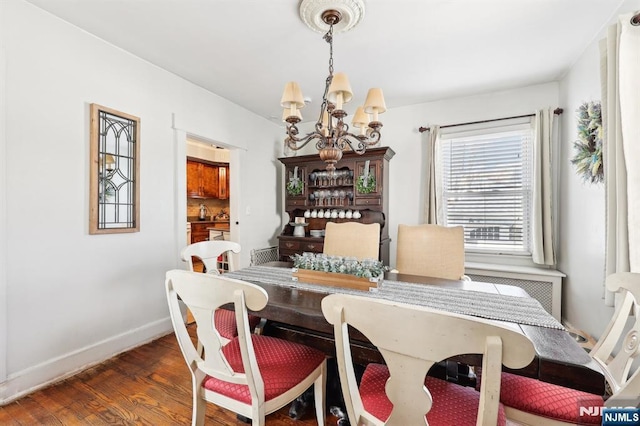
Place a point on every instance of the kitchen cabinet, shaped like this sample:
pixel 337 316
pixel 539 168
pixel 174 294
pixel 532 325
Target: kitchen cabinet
pixel 207 180
pixel 309 189
pixel 223 182
pixel 200 231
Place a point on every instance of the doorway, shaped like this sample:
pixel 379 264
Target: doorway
pixel 210 210
pixel 223 154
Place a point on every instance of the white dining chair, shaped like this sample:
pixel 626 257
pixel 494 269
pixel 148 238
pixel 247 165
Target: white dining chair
pixel 412 339
pixel 352 239
pixel 431 251
pixel 533 402
pixel 251 375
pixel 210 253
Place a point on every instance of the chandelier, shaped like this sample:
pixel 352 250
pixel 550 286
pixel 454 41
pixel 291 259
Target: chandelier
pixel 331 134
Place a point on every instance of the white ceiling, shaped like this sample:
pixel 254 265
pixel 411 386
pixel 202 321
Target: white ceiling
pixel 416 50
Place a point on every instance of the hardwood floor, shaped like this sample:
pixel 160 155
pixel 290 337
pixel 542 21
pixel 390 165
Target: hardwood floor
pixel 149 385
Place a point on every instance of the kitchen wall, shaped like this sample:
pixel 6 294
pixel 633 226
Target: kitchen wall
pixel 213 205
pixel 207 151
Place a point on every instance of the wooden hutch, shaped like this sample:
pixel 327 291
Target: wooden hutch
pixel 341 194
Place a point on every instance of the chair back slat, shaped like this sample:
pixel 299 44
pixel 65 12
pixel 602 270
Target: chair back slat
pixel 411 339
pixel 194 290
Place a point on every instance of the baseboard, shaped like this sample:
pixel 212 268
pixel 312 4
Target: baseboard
pixel 29 380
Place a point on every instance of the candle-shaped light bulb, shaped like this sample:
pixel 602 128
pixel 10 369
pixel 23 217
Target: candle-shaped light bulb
pixel 361 120
pixel 325 123
pixel 339 98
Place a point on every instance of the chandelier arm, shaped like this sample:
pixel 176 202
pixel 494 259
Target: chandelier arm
pixel 296 143
pixel 358 143
pixel 322 143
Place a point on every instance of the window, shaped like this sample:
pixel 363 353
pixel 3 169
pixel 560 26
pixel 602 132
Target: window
pixel 485 174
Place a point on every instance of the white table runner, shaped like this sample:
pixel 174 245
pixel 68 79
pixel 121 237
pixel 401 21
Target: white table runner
pixel 521 310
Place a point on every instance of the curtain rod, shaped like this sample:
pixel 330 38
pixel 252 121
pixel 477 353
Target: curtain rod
pixel 556 111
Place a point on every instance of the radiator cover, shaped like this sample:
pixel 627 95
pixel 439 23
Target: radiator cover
pixel 544 285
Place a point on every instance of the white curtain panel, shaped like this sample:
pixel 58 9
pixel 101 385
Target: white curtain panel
pixel 620 67
pixel 542 242
pixel 629 84
pixel 430 200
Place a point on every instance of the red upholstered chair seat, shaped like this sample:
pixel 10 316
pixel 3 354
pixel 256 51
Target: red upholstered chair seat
pixel 452 404
pixel 282 364
pixel 547 400
pixel 225 322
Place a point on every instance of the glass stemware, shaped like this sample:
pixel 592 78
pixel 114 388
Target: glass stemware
pixel 327 197
pixel 320 178
pixel 341 195
pixel 313 176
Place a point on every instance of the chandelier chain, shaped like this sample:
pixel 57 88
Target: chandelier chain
pixel 328 37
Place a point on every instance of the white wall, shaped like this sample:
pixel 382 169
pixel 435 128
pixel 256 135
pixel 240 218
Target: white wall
pixel 582 209
pixel 582 220
pixel 3 208
pixel 72 298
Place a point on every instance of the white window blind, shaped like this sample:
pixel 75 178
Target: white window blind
pixel 485 184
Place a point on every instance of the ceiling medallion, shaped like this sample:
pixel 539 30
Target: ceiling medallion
pixel 351 12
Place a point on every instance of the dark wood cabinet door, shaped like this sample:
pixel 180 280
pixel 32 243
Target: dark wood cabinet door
pixel 223 182
pixel 207 180
pixel 209 176
pixel 199 232
pixel 193 179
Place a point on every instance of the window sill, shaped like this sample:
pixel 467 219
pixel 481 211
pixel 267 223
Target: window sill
pixel 516 269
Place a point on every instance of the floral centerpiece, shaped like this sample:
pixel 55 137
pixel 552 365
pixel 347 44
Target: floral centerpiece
pixel 366 268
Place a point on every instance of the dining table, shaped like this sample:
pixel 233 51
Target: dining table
pixel 294 312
